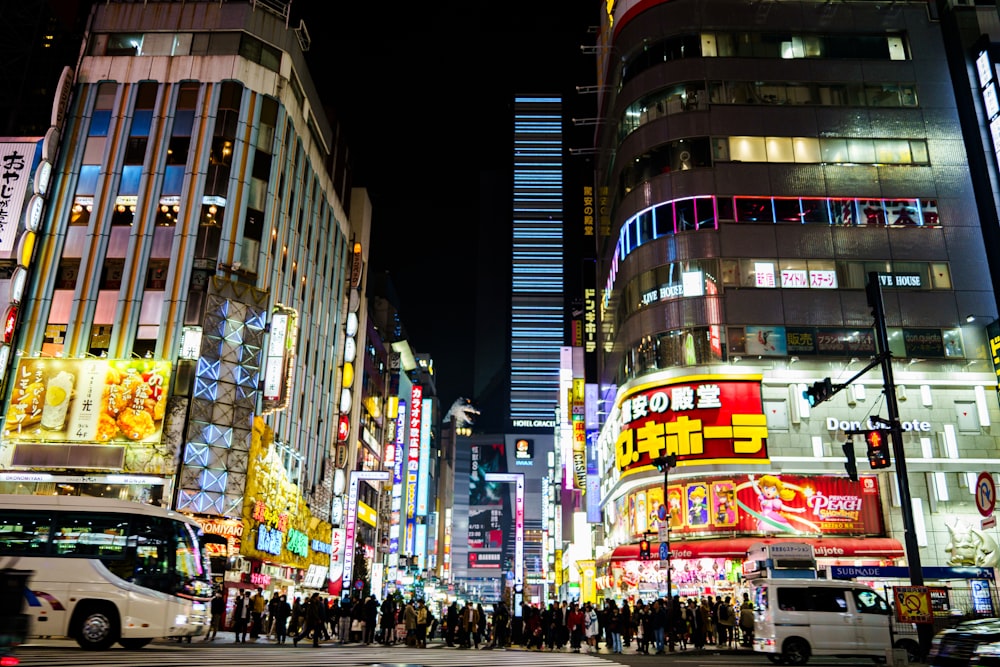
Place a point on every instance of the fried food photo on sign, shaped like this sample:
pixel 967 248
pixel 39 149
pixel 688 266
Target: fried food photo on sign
pixel 131 405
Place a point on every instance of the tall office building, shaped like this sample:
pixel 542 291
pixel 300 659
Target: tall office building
pixel 762 162
pixel 194 287
pixel 537 301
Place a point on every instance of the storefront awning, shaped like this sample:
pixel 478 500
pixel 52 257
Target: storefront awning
pixel 826 547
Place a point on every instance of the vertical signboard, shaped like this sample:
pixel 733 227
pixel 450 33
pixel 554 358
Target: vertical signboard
pixel 413 465
pixel 423 477
pixel 591 424
pixel 579 436
pixel 397 490
pixel 518 480
pixel 350 528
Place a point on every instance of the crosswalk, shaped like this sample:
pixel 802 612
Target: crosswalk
pixel 217 654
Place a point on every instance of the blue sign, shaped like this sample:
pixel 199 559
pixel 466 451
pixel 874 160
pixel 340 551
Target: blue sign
pixel 269 540
pixel 896 572
pixel 664 551
pixel 982 602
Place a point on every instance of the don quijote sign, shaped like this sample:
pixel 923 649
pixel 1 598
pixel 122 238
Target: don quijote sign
pixel 834 424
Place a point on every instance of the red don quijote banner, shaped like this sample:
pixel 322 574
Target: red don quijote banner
pixel 707 419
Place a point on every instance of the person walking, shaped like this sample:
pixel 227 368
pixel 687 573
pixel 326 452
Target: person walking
pixel 658 623
pixel 258 605
pixel 242 616
pixel 501 625
pixel 746 621
pixel 388 620
pixel 410 623
pixel 269 621
pixel 615 629
pixel 575 621
pixel 345 620
pixel 451 620
pixel 727 623
pixel 218 609
pixel 592 628
pixel 371 619
pixel 422 621
pixel 469 622
pixel 282 610
pixel 643 631
pixel 313 621
pixel 626 624
pixel 481 620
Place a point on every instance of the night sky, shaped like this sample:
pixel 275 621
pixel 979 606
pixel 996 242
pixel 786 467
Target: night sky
pixel 424 96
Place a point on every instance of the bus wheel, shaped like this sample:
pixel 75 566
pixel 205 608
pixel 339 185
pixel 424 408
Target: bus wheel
pixel 134 644
pixel 96 626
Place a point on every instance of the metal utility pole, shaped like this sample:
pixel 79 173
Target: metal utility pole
pixel 925 631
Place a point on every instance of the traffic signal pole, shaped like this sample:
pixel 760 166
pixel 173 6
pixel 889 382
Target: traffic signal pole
pixel 925 631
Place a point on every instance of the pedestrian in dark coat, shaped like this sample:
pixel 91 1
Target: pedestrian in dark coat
pixel 282 610
pixel 313 621
pixel 370 619
pixel 388 622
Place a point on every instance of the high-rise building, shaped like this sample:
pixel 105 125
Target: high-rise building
pixel 195 289
pixel 763 163
pixel 537 301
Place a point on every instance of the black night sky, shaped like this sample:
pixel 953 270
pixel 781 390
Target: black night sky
pixel 424 95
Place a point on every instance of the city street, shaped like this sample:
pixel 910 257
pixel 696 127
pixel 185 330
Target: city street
pixel 226 653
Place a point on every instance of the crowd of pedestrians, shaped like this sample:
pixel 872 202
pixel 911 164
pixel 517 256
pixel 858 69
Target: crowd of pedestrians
pixel 659 626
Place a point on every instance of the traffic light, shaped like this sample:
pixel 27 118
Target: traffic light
pixel 851 465
pixel 819 392
pixel 878 449
pixel 644 550
pixel 665 463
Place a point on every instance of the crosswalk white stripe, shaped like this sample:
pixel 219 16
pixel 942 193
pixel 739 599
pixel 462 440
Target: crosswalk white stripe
pixel 168 654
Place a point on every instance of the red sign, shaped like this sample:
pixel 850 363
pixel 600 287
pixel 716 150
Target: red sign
pixel 708 419
pixel 774 504
pixel 986 494
pixel 9 321
pixel 343 428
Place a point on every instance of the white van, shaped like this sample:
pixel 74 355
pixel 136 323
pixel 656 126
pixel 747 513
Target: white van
pixel 795 619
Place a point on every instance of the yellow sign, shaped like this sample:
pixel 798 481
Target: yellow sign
pixel 87 400
pixel 913 604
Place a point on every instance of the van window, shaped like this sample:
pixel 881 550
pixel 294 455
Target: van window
pixel 812 599
pixel 828 599
pixel 869 602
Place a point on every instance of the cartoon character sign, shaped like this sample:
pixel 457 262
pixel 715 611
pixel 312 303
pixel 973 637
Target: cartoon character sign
pixel 723 503
pixel 674 504
pixel 772 497
pixel 656 509
pixel 697 505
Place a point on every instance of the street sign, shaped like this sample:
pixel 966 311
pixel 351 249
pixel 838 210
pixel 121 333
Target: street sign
pixel 913 604
pixel 664 533
pixel 989 522
pixel 986 494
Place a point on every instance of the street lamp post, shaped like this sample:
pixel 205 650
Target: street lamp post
pixel 664 464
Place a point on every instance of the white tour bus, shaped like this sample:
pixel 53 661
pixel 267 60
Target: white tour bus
pixel 106 571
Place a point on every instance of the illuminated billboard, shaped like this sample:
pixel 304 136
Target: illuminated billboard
pixel 706 418
pixel 87 400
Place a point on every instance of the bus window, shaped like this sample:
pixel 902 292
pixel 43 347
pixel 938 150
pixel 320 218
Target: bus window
pixel 24 533
pixel 152 553
pixel 91 534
